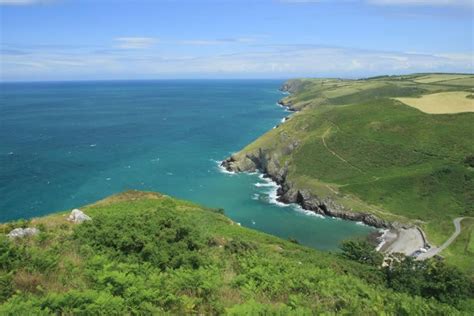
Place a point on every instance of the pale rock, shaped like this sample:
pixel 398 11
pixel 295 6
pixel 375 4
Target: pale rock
pixel 23 232
pixel 78 216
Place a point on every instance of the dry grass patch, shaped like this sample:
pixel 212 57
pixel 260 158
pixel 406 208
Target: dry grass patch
pixel 469 82
pixel 442 103
pixel 441 77
pixel 131 195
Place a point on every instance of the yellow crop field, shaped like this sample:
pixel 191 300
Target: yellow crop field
pixel 438 77
pixel 441 103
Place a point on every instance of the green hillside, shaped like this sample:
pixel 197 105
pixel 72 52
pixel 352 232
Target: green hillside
pixel 353 142
pixel 144 253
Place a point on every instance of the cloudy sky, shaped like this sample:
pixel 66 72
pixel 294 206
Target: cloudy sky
pixel 155 39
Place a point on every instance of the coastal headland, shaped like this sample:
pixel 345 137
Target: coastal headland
pixel 351 149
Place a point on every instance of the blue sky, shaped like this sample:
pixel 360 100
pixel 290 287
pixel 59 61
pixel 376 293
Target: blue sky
pixel 146 39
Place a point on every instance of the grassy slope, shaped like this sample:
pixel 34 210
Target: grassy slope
pixel 372 153
pixel 97 268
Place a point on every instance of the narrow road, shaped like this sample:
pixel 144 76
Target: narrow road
pixel 436 250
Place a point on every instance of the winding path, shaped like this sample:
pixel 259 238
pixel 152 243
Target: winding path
pixel 436 250
pixel 432 251
pixel 323 137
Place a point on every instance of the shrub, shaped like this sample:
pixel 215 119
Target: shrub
pixel 9 254
pixel 158 237
pixel 361 251
pixel 238 246
pixel 469 160
pixel 6 288
pixel 431 279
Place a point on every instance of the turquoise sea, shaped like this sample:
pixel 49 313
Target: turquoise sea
pixel 66 144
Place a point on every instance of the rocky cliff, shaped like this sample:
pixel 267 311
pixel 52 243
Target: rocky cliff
pixel 267 161
pixel 269 165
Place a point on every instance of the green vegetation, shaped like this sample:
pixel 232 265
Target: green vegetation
pixel 429 278
pixel 144 253
pixel 368 152
pixel 361 251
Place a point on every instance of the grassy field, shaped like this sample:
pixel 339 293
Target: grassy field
pixel 372 153
pixel 430 78
pixel 191 260
pixel 442 103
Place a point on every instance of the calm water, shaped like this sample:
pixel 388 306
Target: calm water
pixel 63 145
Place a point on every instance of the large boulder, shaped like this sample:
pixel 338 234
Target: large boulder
pixel 78 216
pixel 23 232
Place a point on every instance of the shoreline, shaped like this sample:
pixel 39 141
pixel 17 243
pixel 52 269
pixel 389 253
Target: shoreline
pixel 393 236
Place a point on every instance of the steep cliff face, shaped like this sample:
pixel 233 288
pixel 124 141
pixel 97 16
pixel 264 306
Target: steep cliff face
pixel 267 161
pixel 292 86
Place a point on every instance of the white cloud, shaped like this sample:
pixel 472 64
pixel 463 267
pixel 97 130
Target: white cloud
pixel 135 42
pixel 283 61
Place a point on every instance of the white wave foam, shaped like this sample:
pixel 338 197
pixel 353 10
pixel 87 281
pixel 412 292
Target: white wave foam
pixel 266 184
pixel 381 239
pixel 255 196
pixel 307 212
pixel 224 170
pixel 273 197
pixel 221 168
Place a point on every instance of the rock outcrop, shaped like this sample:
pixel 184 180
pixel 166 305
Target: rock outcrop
pixel 292 86
pixel 78 216
pixel 23 232
pixel 286 103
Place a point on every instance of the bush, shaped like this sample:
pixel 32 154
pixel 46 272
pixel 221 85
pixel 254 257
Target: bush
pixel 6 288
pixel 361 251
pixel 158 237
pixel 469 160
pixel 431 279
pixel 9 254
pixel 238 246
